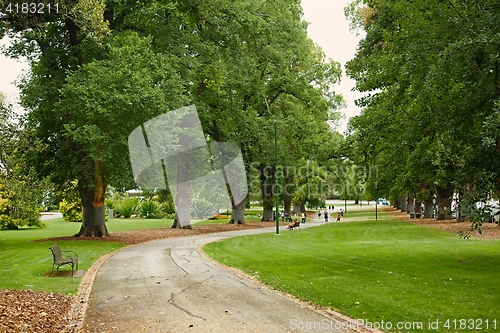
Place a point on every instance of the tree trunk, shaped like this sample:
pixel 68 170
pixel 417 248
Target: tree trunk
pixel 182 199
pixel 459 209
pixel 428 208
pixel 410 206
pixel 268 213
pixel 287 194
pixel 444 202
pixel 297 207
pixel 403 204
pixel 93 212
pixel 238 213
pixel 418 207
pixel 288 205
pixel 397 203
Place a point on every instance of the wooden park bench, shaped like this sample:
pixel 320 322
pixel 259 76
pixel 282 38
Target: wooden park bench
pixel 60 259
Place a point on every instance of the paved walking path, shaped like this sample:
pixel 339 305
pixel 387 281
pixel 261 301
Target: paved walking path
pixel 167 286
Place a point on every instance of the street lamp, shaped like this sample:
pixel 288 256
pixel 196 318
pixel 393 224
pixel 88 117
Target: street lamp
pixel 345 196
pixel 376 202
pixel 276 175
pixel 275 168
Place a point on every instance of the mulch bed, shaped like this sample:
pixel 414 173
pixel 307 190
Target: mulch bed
pixel 141 236
pixel 488 230
pixel 24 311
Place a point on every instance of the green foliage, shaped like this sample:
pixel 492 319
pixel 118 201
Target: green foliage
pixel 109 203
pixel 70 205
pixel 150 209
pixel 21 191
pixel 72 211
pixel 167 207
pixel 8 222
pixel 430 73
pixel 127 207
pixel 99 76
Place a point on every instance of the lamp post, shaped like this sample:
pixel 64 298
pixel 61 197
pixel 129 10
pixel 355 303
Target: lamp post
pixel 276 175
pixel 275 168
pixel 345 196
pixel 376 202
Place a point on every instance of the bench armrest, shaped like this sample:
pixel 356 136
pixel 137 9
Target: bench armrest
pixel 70 251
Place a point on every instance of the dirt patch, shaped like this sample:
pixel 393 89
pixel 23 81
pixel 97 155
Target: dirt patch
pixel 141 236
pixel 488 230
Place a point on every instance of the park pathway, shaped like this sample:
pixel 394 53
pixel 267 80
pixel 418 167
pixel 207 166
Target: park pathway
pixel 168 286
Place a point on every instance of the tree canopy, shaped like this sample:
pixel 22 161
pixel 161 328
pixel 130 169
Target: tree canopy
pixel 102 68
pixel 430 73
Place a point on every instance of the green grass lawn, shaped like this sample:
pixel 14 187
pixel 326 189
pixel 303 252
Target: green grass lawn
pixel 377 270
pixel 22 262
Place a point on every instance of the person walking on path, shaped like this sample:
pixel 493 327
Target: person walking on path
pixel 338 217
pixel 326 215
pixel 303 217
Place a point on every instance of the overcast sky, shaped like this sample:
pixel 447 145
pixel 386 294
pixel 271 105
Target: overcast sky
pixel 9 71
pixel 328 28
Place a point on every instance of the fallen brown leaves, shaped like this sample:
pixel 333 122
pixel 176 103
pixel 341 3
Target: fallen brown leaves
pixel 489 230
pixel 26 311
pixel 141 236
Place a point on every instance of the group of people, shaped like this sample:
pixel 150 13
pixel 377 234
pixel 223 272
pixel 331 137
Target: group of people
pixel 295 220
pixel 325 213
pixel 284 216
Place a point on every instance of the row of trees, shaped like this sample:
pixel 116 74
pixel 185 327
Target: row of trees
pixel 102 68
pixel 431 113
pixel 20 188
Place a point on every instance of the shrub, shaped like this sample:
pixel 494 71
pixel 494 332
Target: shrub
pixel 151 209
pixel 167 207
pixel 18 208
pixel 72 211
pixel 109 203
pixel 12 223
pixel 127 207
pixel 218 217
pixel 8 222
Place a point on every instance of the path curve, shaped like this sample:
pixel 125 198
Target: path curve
pixel 167 286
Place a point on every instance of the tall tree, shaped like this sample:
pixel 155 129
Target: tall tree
pixel 431 67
